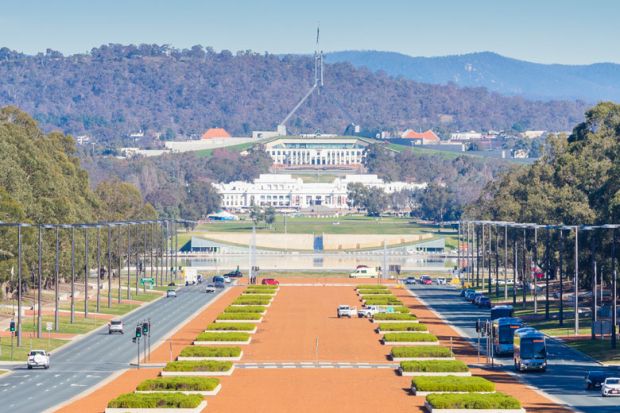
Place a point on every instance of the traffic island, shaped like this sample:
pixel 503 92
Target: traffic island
pixel 383 318
pixel 472 403
pixel 410 339
pixel 406 327
pixel 209 338
pixel 204 386
pixel 433 368
pixel 232 326
pixel 200 353
pixel 257 309
pixel 239 318
pixel 421 353
pixel 157 403
pixel 204 368
pixel 423 386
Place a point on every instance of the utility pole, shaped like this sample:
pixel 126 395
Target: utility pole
pixel 505 261
pixel 86 271
pixel 19 285
pixel 576 280
pixel 561 265
pixel 72 274
pixel 109 265
pixel 57 265
pixel 614 292
pixel 39 277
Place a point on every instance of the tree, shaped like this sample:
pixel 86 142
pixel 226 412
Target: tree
pixel 256 214
pixel 270 215
pixel 436 203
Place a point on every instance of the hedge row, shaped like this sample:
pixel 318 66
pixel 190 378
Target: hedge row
pixel 259 295
pixel 263 292
pixel 402 327
pixel 383 300
pixel 372 287
pixel 156 400
pixel 434 366
pixel 209 336
pixel 262 287
pixel 179 384
pixel 409 337
pixel 252 300
pixel 202 351
pixel 420 351
pixel 231 326
pixel 473 401
pixel 452 384
pixel 239 316
pixel 203 365
pixel 394 316
pixel 374 292
pixel 246 309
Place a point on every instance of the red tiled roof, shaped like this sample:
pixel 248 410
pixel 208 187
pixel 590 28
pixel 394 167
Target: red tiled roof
pixel 215 133
pixel 428 136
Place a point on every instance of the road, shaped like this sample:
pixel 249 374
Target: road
pixel 81 365
pixel 566 369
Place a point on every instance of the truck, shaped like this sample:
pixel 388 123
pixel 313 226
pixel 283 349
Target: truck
pixel 369 311
pixel 363 271
pixel 191 275
pixel 346 311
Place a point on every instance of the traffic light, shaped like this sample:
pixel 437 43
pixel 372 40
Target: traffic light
pixel 138 331
pixel 145 327
pixel 12 326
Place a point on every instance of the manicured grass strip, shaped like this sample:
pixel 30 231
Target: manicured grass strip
pixel 409 337
pixel 179 384
pixel 268 293
pixel 402 327
pixel 383 300
pixel 207 336
pixel 21 353
pixel 239 316
pixel 251 300
pixel 421 351
pixel 156 400
pixel 231 326
pixel 203 365
pixel 394 316
pixel 372 287
pixel 473 401
pixel 434 366
pixel 262 287
pixel 202 351
pixel 246 309
pixel 374 292
pixel 452 384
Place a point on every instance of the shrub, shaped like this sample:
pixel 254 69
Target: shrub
pixel 156 400
pixel 452 384
pixel 473 401
pixel 202 351
pixel 405 337
pixel 209 336
pixel 421 351
pixel 252 300
pixel 203 365
pixel 400 309
pixel 383 300
pixel 372 287
pixel 245 309
pixel 179 384
pixel 434 366
pixel 239 316
pixel 394 316
pixel 402 327
pixel 231 326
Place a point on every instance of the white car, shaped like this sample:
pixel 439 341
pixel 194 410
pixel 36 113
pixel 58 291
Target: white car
pixel 611 387
pixel 441 281
pixel 369 311
pixel 364 272
pixel 210 289
pixel 171 293
pixel 115 326
pixel 38 358
pixel 346 311
pixel 227 279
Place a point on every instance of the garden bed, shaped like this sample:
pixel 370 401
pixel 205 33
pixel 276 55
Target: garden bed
pixel 205 386
pixel 239 318
pixel 472 403
pixel 421 353
pixel 156 403
pixel 257 309
pixel 198 353
pixel 251 301
pixel 409 339
pixel 381 301
pixel 232 326
pixel 394 318
pixel 198 368
pixel 405 327
pixel 266 293
pixel 423 386
pixel 235 338
pixel 433 368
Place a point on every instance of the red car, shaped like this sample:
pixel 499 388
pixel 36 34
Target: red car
pixel 426 280
pixel 270 281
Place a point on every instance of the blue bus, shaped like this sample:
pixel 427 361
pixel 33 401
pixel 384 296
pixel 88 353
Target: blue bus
pixel 530 351
pixel 500 311
pixel 503 334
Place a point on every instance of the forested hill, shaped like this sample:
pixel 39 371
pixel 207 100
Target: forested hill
pixel 115 90
pixel 498 73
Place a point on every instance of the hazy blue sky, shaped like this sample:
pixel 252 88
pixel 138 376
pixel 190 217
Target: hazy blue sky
pixel 549 31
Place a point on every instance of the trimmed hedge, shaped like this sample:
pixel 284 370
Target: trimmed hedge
pixel 203 365
pixel 374 292
pixel 260 295
pixel 246 309
pixel 179 384
pixel 262 287
pixel 452 384
pixel 383 300
pixel 473 401
pixel 421 351
pixel 372 287
pixel 394 316
pixel 263 292
pixel 209 336
pixel 156 400
pixel 405 337
pixel 402 327
pixel 239 316
pixel 434 366
pixel 231 326
pixel 201 351
pixel 252 300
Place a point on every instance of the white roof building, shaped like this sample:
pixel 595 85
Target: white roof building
pixel 286 191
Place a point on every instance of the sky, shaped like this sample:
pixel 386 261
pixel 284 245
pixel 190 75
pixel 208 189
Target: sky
pixel 544 31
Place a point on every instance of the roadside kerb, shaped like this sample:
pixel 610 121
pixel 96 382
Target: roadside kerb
pixel 200 392
pixel 164 373
pixel 197 409
pixel 430 409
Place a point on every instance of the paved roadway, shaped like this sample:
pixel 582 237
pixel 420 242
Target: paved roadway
pixel 83 364
pixel 564 378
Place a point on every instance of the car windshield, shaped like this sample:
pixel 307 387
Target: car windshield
pixel 613 381
pixel 37 352
pixel 117 322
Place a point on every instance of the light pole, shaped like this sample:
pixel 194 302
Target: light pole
pixel 98 267
pixel 614 291
pixel 72 317
pixel 57 265
pixel 86 271
pixel 39 280
pixel 19 283
pixel 109 225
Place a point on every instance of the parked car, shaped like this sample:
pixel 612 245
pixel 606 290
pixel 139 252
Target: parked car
pixel 171 293
pixel 369 311
pixel 465 291
pixel 484 302
pixel 38 358
pixel 364 272
pixel 611 387
pixel 346 311
pixel 410 280
pixel 210 289
pixel 270 281
pixel 227 279
pixel 441 281
pixel 426 280
pixel 234 274
pixel 219 281
pixel 472 297
pixel 469 294
pixel 115 326
pixel 595 379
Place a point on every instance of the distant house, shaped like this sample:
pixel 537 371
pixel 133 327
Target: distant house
pixel 520 154
pixel 215 133
pixel 466 136
pixel 423 138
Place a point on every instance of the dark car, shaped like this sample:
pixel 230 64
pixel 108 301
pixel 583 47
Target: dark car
pixel 465 291
pixel 484 302
pixel 234 274
pixel 472 297
pixel 594 379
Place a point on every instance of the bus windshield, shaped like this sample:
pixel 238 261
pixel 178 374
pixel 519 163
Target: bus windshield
pixel 500 312
pixel 533 349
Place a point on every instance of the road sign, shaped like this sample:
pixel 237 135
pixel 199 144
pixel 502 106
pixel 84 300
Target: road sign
pixel 49 326
pixel 147 280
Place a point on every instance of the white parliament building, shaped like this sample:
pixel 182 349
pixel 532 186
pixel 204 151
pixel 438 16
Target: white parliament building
pixel 345 152
pixel 286 191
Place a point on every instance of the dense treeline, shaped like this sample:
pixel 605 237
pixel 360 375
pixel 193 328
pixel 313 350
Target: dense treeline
pixel 116 89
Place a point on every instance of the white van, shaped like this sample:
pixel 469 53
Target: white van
pixel 364 272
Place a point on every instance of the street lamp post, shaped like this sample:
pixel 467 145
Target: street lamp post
pixel 576 280
pixel 72 317
pixel 98 267
pixel 515 266
pixel 86 271
pixel 561 249
pixel 505 261
pixel 109 265
pixel 129 261
pixel 39 281
pixel 57 265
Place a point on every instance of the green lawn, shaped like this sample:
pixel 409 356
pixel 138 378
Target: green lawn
pixel 21 353
pixel 598 349
pixel 205 153
pixel 80 326
pixel 116 309
pixel 316 178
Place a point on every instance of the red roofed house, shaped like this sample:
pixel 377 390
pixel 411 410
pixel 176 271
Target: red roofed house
pixel 424 138
pixel 214 133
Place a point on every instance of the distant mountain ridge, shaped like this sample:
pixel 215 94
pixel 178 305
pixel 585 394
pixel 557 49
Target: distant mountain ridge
pixel 591 83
